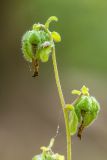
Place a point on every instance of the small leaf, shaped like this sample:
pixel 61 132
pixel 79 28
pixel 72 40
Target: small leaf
pixel 77 92
pixel 50 19
pixel 73 122
pixel 56 36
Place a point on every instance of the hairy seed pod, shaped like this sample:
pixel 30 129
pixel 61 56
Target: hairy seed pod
pixel 36 45
pixel 44 36
pixel 87 109
pixel 30 42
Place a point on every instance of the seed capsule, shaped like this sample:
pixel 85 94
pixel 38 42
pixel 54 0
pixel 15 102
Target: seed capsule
pixel 87 109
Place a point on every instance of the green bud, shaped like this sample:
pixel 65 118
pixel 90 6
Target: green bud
pixel 37 44
pixel 87 109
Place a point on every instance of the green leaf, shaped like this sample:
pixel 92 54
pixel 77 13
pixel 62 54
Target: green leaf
pixel 90 117
pixel 73 122
pixel 30 41
pixel 56 36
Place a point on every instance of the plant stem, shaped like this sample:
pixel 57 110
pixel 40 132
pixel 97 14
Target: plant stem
pixel 63 104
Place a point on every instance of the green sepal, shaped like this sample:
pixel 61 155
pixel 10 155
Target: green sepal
pixel 56 36
pixel 34 37
pixel 73 120
pixel 82 104
pixel 44 54
pixel 44 36
pixel 87 109
pixel 91 116
pixel 29 39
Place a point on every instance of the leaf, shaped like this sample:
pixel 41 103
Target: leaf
pixel 56 36
pixel 73 122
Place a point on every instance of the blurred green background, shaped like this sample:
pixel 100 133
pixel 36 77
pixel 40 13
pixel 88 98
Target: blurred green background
pixel 30 108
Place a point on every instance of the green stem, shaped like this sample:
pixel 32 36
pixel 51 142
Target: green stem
pixel 63 104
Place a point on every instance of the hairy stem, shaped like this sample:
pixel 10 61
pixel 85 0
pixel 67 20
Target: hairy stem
pixel 68 136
